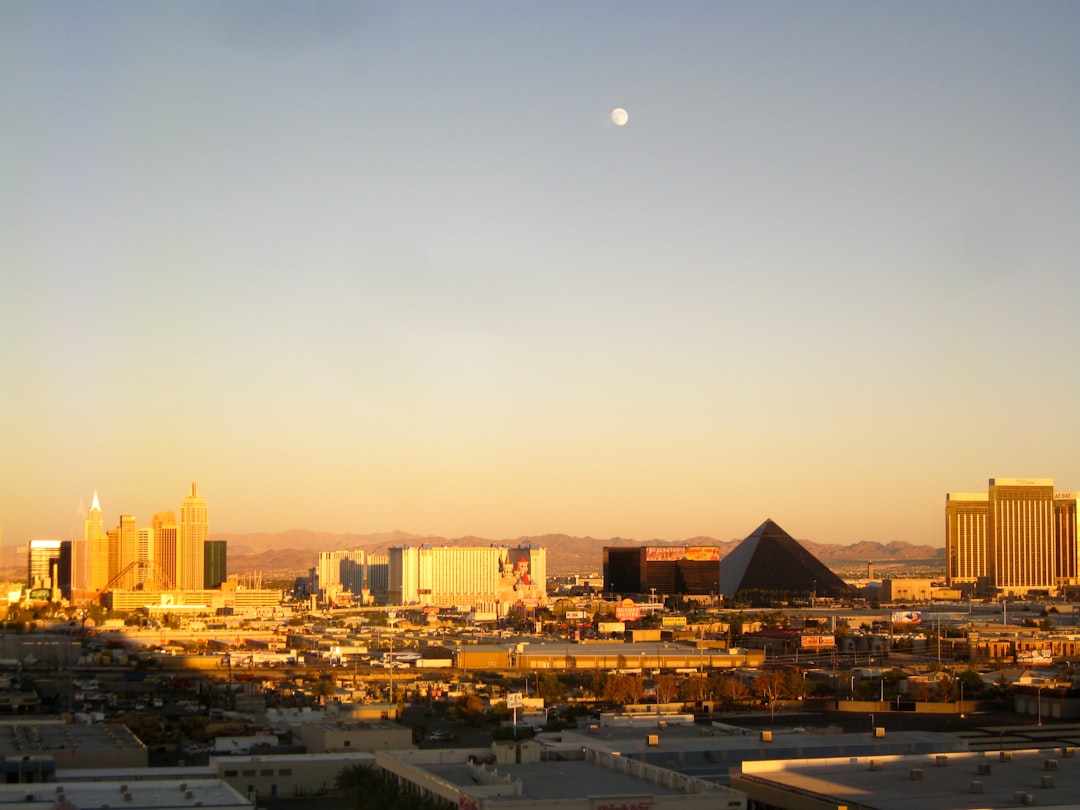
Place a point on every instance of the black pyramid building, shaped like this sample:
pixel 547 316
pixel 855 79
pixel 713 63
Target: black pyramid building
pixel 770 559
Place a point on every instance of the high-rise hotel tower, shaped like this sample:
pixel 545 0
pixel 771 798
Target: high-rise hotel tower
pixel 193 531
pixel 1014 539
pixel 96 546
pixel 967 553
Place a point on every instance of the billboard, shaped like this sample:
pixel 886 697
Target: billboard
pixel 676 553
pixel 905 617
pixel 610 627
pixel 673 621
pixel 1034 657
pixel 817 642
pixel 576 614
pixel 664 554
pixel 628 613
pixel 703 553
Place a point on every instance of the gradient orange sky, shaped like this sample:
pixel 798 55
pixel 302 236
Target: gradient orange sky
pixel 357 268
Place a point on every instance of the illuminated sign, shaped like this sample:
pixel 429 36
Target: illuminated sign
pixel 667 554
pixel 673 621
pixel 703 553
pixel 817 642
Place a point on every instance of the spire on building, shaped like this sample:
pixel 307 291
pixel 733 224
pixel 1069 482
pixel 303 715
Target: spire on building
pixel 95 504
pixel 194 490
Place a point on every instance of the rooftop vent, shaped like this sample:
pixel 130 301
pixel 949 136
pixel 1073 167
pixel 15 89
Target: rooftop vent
pixel 1068 752
pixel 1020 797
pixel 1047 781
pixel 879 731
pixel 1006 756
pixel 766 736
pixel 984 768
pixel 1050 765
pixel 975 786
pixel 941 761
pixel 875 765
pixel 915 774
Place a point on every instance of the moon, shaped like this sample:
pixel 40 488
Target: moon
pixel 619 117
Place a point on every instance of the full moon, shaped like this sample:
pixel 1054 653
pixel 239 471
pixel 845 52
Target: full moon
pixel 619 117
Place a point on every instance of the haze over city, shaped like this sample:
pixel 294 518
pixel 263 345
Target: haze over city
pixel 364 267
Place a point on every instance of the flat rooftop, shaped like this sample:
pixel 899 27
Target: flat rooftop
pixel 547 781
pixel 132 795
pixel 735 744
pixel 34 738
pixel 953 782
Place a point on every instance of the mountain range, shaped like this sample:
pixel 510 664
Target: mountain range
pixel 293 553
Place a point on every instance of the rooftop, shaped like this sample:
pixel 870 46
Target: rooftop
pixel 945 782
pixel 168 793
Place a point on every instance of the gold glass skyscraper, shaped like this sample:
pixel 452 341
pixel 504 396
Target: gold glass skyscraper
pixel 1013 540
pixel 1066 531
pixel 1020 525
pixel 967 555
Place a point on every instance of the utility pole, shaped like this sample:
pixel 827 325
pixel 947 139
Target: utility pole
pixel 391 617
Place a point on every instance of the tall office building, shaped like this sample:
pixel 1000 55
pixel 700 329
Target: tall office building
pixel 66 571
pixel 1067 537
pixel 488 579
pixel 1020 526
pixel 215 564
pixel 96 544
pixel 165 533
pixel 967 551
pixel 43 558
pixel 194 531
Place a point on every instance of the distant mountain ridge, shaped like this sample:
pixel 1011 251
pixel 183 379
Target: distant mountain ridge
pixel 294 552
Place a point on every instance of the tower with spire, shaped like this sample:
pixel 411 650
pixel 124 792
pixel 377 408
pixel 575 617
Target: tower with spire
pixel 193 531
pixel 96 543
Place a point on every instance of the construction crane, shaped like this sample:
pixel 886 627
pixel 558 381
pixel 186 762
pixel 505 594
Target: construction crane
pixel 159 573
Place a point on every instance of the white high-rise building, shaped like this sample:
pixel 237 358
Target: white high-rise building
pixel 488 579
pixel 341 571
pixel 193 530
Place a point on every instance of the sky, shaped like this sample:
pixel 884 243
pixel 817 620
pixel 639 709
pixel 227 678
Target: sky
pixel 358 267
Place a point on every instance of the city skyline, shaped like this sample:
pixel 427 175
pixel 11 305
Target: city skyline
pixel 365 268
